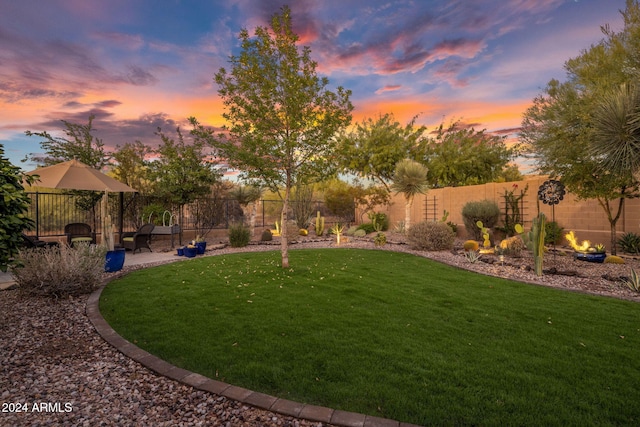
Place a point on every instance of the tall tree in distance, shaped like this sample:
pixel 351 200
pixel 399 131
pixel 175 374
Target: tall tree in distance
pixel 132 166
pixel 79 144
pixel 456 156
pixel 281 118
pixel 374 147
pixel 183 171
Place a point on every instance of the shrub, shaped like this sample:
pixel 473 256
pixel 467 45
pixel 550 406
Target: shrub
pixel 513 246
pixel 380 239
pixel 60 271
pixel 470 245
pixel 359 233
pixel 352 230
pixel 613 259
pixel 486 211
pixel 239 235
pixel 431 236
pixel 630 243
pixel 266 236
pixel 553 233
pixel 379 218
pixel 368 227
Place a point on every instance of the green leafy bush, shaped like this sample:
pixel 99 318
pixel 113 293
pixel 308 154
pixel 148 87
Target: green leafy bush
pixel 379 218
pixel 553 233
pixel 486 211
pixel 239 235
pixel 431 236
pixel 60 271
pixel 630 243
pixel 368 227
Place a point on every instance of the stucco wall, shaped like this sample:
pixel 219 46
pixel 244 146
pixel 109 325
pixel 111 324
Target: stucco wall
pixel 587 218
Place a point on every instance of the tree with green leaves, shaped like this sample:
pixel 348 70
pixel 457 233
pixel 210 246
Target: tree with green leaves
pixel 458 156
pixel 281 117
pixel 182 172
pixel 80 144
pixel 410 179
pixel 132 166
pixel 559 129
pixel 14 206
pixel 374 147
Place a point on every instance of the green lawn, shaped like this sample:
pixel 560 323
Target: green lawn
pixel 389 334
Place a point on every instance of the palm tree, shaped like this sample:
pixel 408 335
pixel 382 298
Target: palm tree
pixel 617 131
pixel 409 178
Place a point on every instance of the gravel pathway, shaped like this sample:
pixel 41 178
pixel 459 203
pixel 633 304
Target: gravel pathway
pixel 56 370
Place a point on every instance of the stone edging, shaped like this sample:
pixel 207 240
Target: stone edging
pixel 200 382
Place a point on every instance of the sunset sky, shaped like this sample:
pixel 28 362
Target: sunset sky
pixel 143 64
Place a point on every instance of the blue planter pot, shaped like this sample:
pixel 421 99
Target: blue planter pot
pixel 180 251
pixel 114 260
pixel 201 246
pixel 591 256
pixel 190 252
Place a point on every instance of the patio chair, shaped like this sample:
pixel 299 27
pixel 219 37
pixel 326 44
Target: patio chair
pixel 78 232
pixel 31 242
pixel 138 239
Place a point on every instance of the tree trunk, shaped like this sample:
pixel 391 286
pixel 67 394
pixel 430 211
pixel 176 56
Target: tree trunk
pixel 284 244
pixel 253 209
pixel 407 213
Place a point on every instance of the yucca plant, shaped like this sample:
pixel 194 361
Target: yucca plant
pixel 410 179
pixel 633 282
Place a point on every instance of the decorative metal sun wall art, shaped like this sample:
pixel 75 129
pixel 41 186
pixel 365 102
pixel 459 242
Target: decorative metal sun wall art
pixel 551 192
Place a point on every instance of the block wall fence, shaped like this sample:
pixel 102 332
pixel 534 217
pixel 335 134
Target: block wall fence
pixel 586 218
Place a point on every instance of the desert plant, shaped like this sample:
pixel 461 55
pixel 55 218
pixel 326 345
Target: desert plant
pixel 613 259
pixel 512 211
pixel 379 218
pixel 553 233
pixel 352 230
pixel 472 256
pixel 368 227
pixel 470 245
pixel 266 236
pixel 400 227
pixel 319 224
pixel 380 239
pixel 630 243
pixel 60 271
pixel 303 232
pixel 536 241
pixel 486 211
pixel 431 236
pixel 359 233
pixel 512 246
pixel 633 282
pixel 410 179
pixel 302 205
pixel 337 229
pixel 239 235
pixel 486 241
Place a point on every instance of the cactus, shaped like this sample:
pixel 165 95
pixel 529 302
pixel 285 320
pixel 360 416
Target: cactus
pixel 485 234
pixel 319 224
pixel 535 242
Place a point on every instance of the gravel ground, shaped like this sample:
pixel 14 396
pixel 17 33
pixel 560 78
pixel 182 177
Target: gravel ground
pixel 56 370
